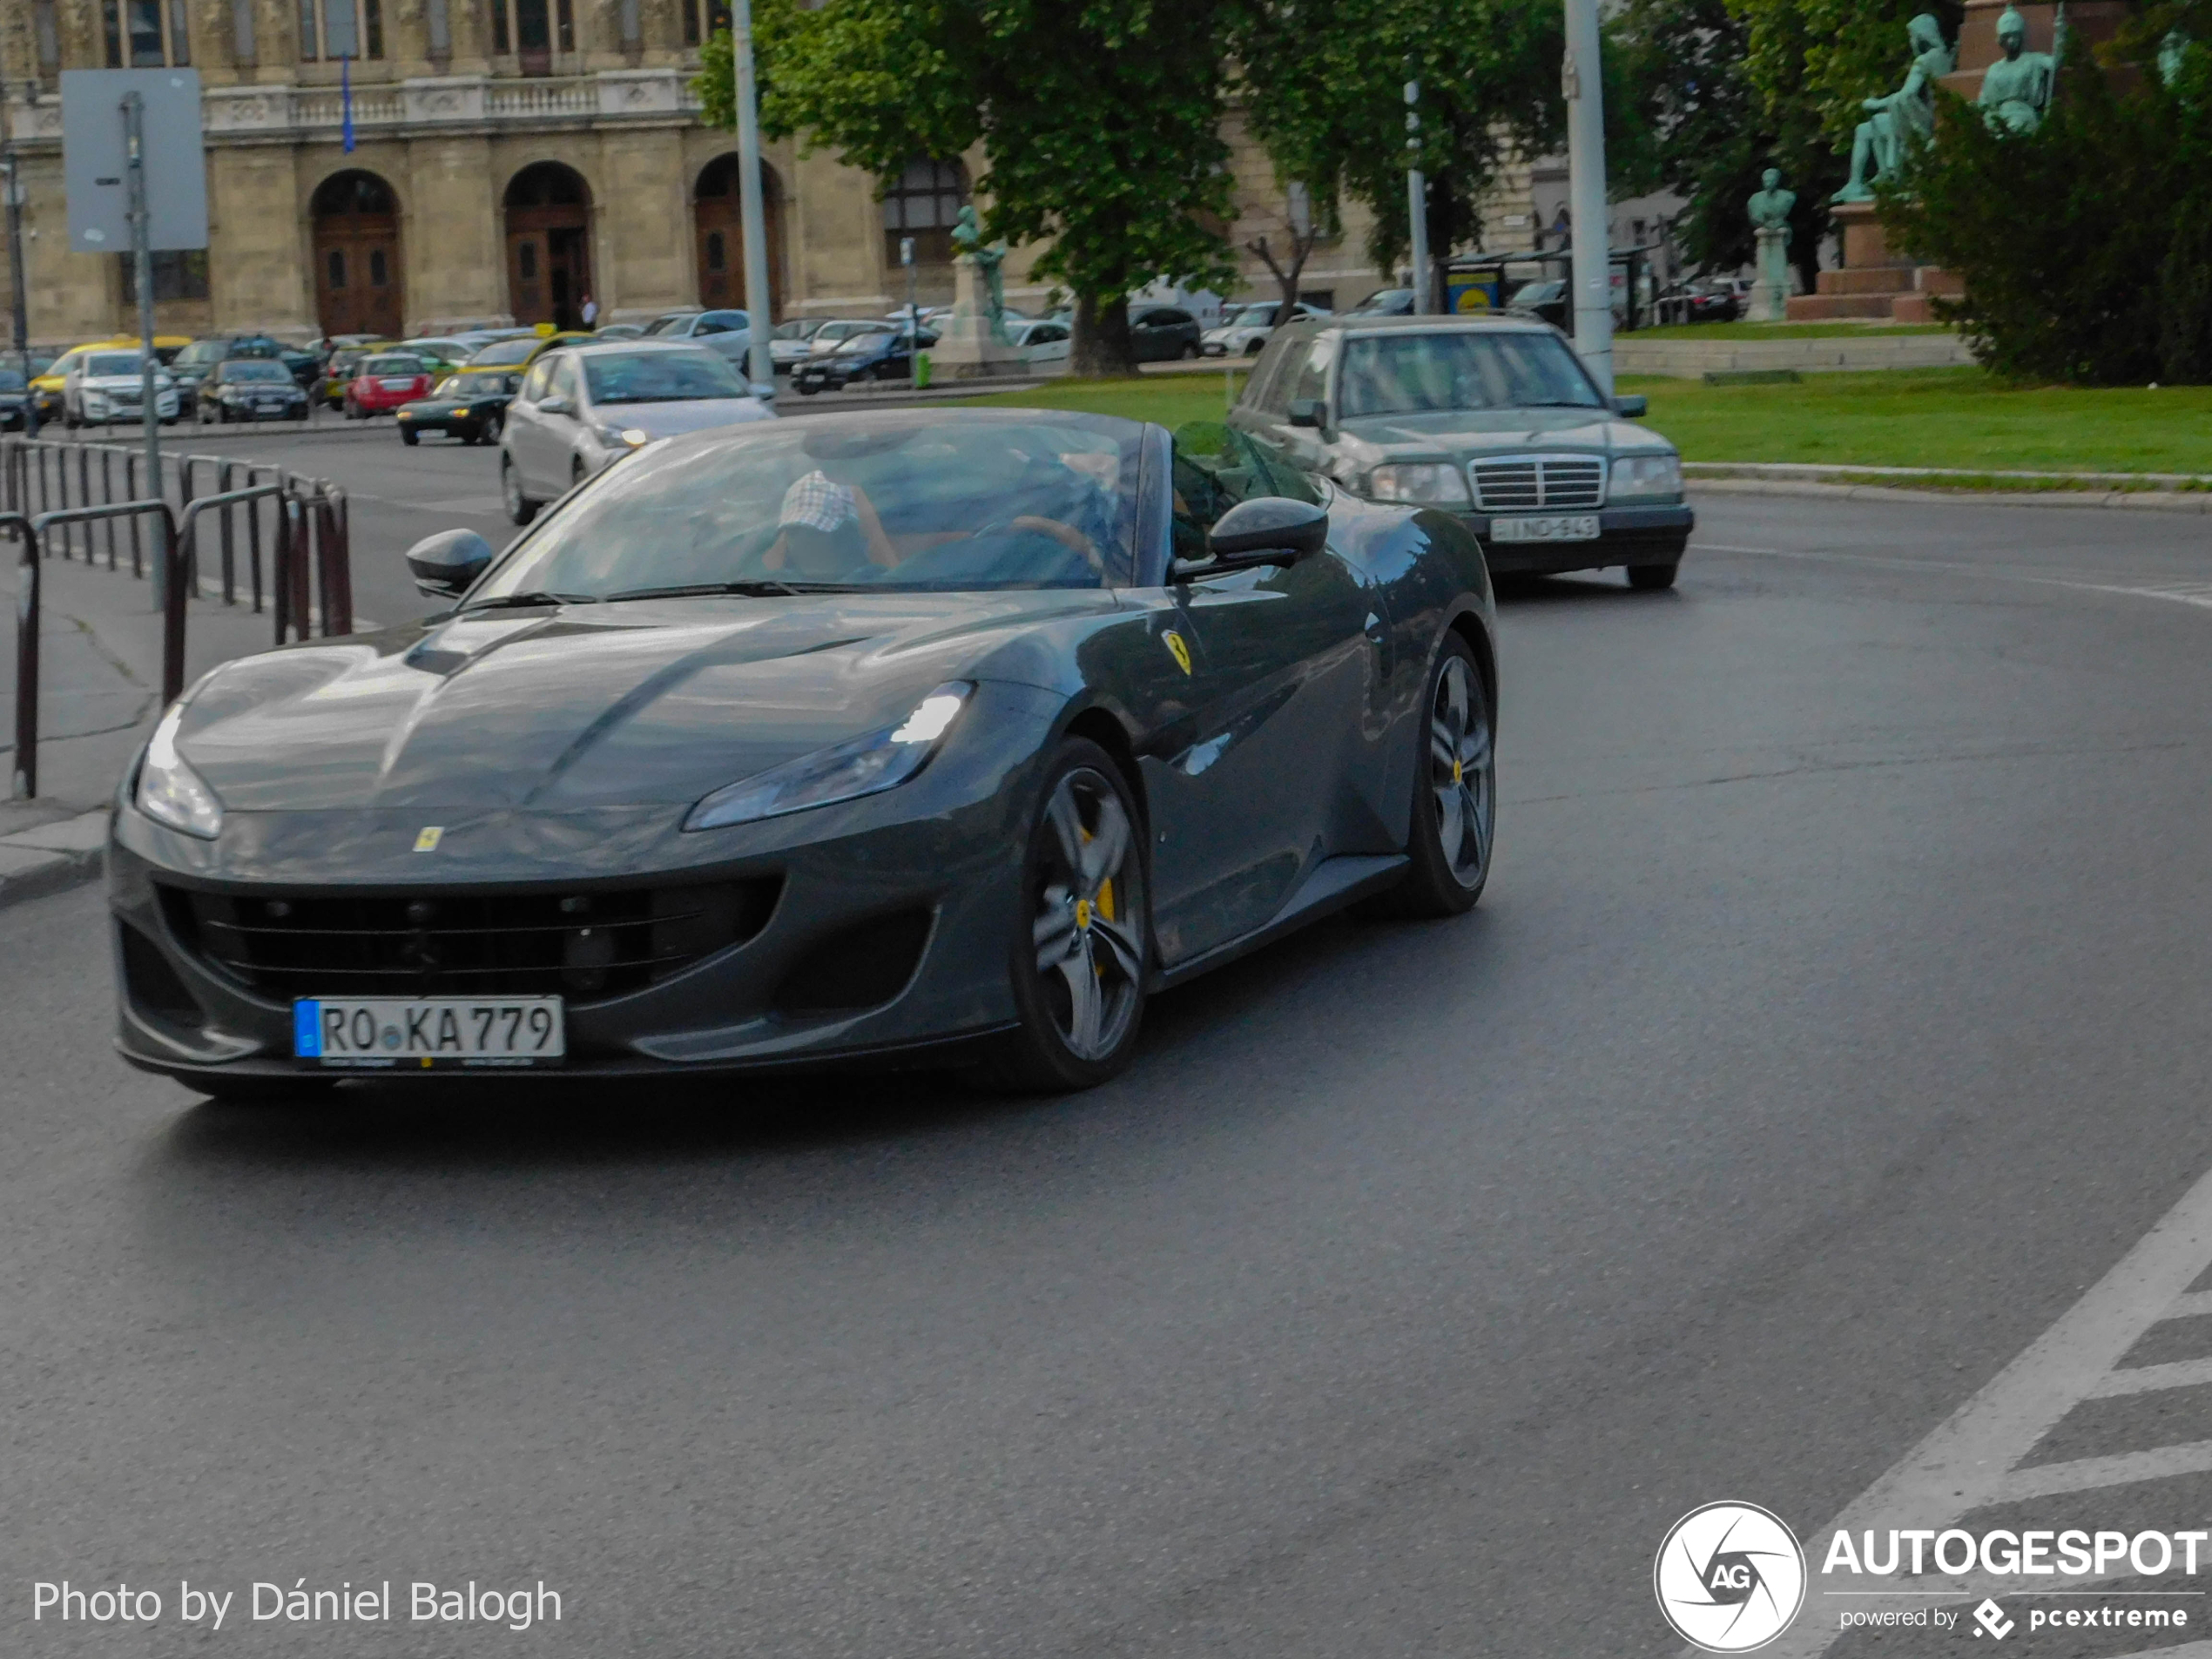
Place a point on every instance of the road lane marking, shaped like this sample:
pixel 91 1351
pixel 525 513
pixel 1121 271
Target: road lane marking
pixel 1972 1459
pixel 2187 1650
pixel 2147 1380
pixel 2188 593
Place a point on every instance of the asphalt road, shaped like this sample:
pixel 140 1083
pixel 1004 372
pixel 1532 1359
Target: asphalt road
pixel 1836 1015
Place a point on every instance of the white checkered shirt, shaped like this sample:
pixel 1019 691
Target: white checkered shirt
pixel 818 503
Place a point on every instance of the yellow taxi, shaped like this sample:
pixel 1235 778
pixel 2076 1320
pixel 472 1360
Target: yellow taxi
pixel 47 388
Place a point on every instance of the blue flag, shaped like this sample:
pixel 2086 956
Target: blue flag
pixel 345 104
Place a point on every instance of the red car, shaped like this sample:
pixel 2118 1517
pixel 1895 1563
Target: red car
pixel 385 382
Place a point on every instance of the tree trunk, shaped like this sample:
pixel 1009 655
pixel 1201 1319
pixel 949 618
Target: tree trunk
pixel 1102 346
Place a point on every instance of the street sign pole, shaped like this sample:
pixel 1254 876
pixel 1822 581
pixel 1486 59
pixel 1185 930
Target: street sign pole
pixel 1593 258
pixel 761 366
pixel 21 301
pixel 914 322
pixel 1417 202
pixel 134 163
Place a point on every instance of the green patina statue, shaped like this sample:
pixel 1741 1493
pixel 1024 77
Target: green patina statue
pixel 1770 205
pixel 1769 210
pixel 967 237
pixel 1900 119
pixel 2016 88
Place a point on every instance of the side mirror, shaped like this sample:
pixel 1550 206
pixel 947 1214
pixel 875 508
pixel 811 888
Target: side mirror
pixel 1632 407
pixel 1267 529
pixel 553 405
pixel 446 565
pixel 1307 411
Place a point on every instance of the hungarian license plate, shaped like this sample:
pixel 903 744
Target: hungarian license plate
pixel 423 1033
pixel 395 385
pixel 1558 527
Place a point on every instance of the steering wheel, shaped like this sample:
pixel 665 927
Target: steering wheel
pixel 1061 531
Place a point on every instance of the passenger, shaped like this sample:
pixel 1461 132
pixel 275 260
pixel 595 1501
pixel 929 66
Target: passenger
pixel 826 529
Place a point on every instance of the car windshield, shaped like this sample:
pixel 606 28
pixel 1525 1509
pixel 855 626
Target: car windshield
pixel 1388 300
pixel 1254 316
pixel 659 377
pixel 675 324
pixel 801 328
pixel 113 362
pixel 866 502
pixel 507 351
pixel 255 371
pixel 11 380
pixel 392 366
pixel 1413 373
pixel 478 382
pixel 845 330
pixel 868 339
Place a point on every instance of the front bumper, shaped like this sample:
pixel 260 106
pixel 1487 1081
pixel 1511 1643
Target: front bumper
pixel 939 857
pixel 166 407
pixel 1626 536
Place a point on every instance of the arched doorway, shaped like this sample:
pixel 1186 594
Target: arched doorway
pixel 719 232
pixel 358 284
pixel 548 244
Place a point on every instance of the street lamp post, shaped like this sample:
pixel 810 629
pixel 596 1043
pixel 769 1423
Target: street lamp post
pixel 1417 200
pixel 1583 84
pixel 760 364
pixel 20 304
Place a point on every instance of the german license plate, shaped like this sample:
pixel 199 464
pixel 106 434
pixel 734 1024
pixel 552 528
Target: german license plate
pixel 1560 527
pixel 424 1033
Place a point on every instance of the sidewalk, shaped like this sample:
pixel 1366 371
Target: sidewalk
pixel 100 680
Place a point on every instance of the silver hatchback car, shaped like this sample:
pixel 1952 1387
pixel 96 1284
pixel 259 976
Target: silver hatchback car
pixel 583 407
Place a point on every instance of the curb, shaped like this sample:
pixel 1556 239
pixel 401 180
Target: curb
pixel 2154 501
pixel 52 858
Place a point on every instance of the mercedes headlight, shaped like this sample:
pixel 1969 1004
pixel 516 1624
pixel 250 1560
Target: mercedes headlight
pixel 843 771
pixel 1647 477
pixel 172 792
pixel 1436 483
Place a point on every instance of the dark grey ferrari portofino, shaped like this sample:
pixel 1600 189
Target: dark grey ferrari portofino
pixel 946 734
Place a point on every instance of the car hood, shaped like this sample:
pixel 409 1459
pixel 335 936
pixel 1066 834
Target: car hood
pixel 588 706
pixel 125 383
pixel 692 414
pixel 1467 433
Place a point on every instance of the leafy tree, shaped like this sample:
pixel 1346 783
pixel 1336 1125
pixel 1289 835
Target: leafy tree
pixel 1323 93
pixel 1100 124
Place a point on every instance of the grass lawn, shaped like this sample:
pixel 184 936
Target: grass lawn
pixel 1738 330
pixel 1932 417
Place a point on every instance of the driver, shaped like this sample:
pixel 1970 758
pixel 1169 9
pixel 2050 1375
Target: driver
pixel 826 529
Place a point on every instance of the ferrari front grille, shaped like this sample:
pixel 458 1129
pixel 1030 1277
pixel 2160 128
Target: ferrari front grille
pixel 586 944
pixel 1538 483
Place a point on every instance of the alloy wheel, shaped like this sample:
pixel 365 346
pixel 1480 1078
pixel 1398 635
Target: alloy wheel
pixel 1462 771
pixel 1089 925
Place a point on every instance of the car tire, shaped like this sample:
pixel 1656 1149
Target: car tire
pixel 409 437
pixel 1653 578
pixel 1453 824
pixel 489 432
pixel 1079 953
pixel 1255 348
pixel 1189 351
pixel 520 508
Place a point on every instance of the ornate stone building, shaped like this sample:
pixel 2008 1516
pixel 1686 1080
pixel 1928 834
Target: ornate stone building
pixel 510 157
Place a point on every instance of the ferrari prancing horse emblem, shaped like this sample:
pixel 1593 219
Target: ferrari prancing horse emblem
pixel 1180 652
pixel 427 840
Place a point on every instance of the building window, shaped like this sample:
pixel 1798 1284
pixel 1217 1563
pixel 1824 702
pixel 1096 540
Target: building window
pixel 178 275
pixel 146 34
pixel 50 38
pixel 922 202
pixel 532 30
pixel 703 19
pixel 242 33
pixel 334 29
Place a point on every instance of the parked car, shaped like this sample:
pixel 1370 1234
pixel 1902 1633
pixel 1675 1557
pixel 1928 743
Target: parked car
pixel 619 331
pixel 1042 339
pixel 738 764
pixel 198 360
pixel 1157 334
pixel 251 388
pixel 837 330
pixel 583 407
pixel 107 385
pixel 789 345
pixel 46 384
pixel 15 400
pixel 469 404
pixel 1703 300
pixel 521 350
pixel 440 352
pixel 727 332
pixel 1493 421
pixel 344 364
pixel 1384 302
pixel 1244 329
pixel 1545 299
pixel 884 352
pixel 384 381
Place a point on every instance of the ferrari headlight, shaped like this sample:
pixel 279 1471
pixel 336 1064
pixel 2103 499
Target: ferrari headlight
pixel 1647 477
pixel 843 771
pixel 1430 482
pixel 172 792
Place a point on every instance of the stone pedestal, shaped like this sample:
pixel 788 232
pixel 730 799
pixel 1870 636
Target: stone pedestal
pixel 1874 284
pixel 968 348
pixel 1771 293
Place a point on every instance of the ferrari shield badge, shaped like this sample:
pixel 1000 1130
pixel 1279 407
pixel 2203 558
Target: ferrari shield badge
pixel 427 839
pixel 1177 649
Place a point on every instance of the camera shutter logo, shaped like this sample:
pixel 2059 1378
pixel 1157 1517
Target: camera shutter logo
pixel 1730 1577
